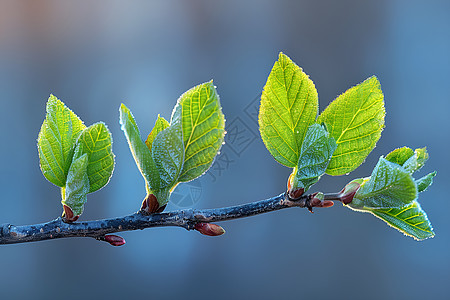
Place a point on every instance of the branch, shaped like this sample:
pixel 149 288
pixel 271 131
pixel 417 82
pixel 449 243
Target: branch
pixel 189 219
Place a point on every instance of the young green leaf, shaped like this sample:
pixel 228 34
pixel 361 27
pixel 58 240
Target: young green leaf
pixel 424 182
pixel 400 155
pixel 355 119
pixel 77 185
pixel 315 154
pixel 160 125
pixel 289 104
pixel 139 149
pixel 412 161
pixel 411 220
pixel 56 141
pixel 182 150
pixel 415 162
pixel 168 154
pixel 203 127
pixel 387 191
pixel 95 141
pixel 389 186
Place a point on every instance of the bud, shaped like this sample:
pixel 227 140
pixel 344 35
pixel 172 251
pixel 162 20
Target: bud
pixel 296 194
pixel 327 203
pixel 209 229
pixel 316 200
pixel 161 208
pixel 318 195
pixel 348 192
pixel 115 240
pixel 68 214
pixel 150 205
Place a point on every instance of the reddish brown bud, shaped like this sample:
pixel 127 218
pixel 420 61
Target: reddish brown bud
pixel 209 229
pixel 161 208
pixel 348 192
pixel 68 214
pixel 327 203
pixel 296 194
pixel 115 240
pixel 150 205
pixel 316 200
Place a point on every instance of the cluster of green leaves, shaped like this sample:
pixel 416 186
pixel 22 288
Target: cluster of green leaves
pixel 76 158
pixel 181 150
pixel 79 159
pixel 336 142
pixel 391 192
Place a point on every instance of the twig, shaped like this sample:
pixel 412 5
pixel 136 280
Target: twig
pixel 189 219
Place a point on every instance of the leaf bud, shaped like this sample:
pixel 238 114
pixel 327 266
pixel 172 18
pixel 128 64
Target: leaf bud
pixel 151 205
pixel 348 192
pixel 209 229
pixel 115 240
pixel 295 194
pixel 316 200
pixel 68 215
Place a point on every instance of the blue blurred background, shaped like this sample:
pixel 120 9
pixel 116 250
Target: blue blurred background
pixel 96 54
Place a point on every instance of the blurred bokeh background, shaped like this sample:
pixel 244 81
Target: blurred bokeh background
pixel 94 55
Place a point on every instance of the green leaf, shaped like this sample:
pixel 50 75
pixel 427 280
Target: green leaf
pixel 95 141
pixel 411 220
pixel 411 160
pixel 389 186
pixel 77 185
pixel 202 126
pixel 386 193
pixel 355 119
pixel 315 154
pixel 56 141
pixel 160 125
pixel 168 154
pixel 289 104
pixel 424 182
pixel 415 162
pixel 400 155
pixel 139 149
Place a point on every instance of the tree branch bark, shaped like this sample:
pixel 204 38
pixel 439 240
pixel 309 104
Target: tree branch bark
pixel 188 219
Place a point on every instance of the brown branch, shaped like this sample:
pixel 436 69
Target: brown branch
pixel 189 219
